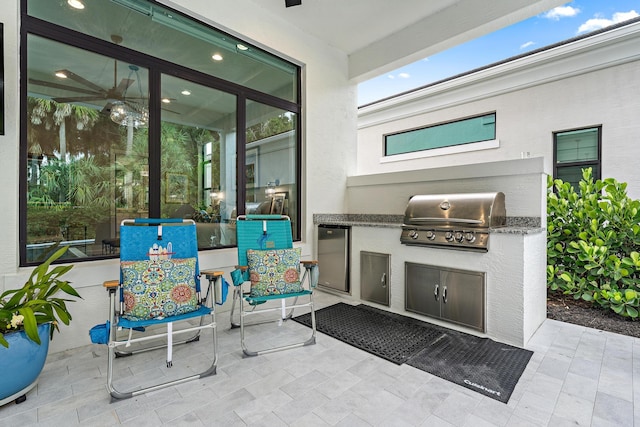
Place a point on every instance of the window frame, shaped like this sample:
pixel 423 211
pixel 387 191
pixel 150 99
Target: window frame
pixel 156 66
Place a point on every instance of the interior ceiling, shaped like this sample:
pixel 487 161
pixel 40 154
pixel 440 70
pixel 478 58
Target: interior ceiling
pixel 382 35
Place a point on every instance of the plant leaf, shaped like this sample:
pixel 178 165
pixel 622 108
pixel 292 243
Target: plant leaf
pixel 30 324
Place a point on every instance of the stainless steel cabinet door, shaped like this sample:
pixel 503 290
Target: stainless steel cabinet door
pixel 374 277
pixel 422 289
pixel 462 298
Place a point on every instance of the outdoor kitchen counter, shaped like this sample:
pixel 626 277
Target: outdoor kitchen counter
pixel 514 268
pixel 515 225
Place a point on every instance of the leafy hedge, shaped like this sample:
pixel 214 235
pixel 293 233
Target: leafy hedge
pixel 593 243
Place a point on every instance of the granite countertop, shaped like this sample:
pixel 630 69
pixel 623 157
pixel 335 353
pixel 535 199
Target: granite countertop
pixel 515 225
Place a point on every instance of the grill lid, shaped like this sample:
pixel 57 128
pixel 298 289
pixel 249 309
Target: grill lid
pixel 471 210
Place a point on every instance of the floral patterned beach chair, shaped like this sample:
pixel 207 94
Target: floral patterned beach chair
pixel 269 266
pixel 159 287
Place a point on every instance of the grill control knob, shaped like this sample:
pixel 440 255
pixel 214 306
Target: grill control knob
pixel 459 236
pixel 413 234
pixel 431 235
pixel 448 236
pixel 470 236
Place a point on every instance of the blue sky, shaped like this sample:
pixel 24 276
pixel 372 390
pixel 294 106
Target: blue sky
pixel 573 18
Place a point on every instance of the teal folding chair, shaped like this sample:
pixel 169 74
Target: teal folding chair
pixel 270 265
pixel 159 286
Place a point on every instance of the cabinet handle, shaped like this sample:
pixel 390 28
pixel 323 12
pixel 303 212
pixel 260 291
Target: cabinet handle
pixel 436 291
pixel 444 294
pixel 383 280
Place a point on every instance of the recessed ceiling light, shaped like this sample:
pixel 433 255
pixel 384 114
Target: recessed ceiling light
pixel 61 74
pixel 186 92
pixel 242 47
pixel 216 57
pixel 166 100
pixel 76 4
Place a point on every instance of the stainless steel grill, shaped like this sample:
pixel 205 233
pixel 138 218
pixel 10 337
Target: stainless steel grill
pixel 453 221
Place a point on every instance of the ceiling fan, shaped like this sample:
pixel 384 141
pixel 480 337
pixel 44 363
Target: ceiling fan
pixel 92 91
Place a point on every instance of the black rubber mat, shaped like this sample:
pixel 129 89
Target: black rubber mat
pixel 480 364
pixel 388 335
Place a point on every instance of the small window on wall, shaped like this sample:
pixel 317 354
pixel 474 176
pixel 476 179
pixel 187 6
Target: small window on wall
pixel 459 132
pixel 575 150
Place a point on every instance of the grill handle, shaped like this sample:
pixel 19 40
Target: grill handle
pixel 447 220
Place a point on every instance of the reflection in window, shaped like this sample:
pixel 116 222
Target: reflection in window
pixel 270 162
pixel 85 173
pixel 198 149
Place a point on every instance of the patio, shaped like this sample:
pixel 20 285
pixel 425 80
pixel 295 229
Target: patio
pixel 577 376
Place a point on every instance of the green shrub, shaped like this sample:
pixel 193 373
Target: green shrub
pixel 593 243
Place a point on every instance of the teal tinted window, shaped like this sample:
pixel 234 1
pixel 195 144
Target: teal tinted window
pixel 475 129
pixel 578 145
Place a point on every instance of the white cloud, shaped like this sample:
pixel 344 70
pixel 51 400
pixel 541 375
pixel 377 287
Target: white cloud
pixel 562 12
pixel 527 44
pixel 598 23
pixel 399 75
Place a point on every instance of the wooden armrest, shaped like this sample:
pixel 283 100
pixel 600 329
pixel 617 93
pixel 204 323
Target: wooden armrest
pixel 242 267
pixel 212 274
pixel 108 284
pixel 313 262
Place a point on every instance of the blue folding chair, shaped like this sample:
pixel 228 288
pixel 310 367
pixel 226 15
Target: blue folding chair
pixel 271 265
pixel 159 285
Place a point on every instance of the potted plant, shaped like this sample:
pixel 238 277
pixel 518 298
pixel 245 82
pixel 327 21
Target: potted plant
pixel 28 318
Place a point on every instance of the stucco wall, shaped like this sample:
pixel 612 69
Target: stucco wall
pixel 523 181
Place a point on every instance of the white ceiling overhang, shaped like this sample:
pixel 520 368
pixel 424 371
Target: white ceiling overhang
pixel 381 35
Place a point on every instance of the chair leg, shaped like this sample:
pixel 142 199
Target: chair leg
pixel 310 341
pixel 237 295
pixel 114 343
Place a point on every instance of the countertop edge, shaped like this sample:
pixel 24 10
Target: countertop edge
pixel 515 225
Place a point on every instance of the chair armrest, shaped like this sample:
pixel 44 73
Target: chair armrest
pixel 212 274
pixel 242 267
pixel 110 284
pixel 309 263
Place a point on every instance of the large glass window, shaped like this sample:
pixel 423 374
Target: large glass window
pixel 132 110
pixel 575 150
